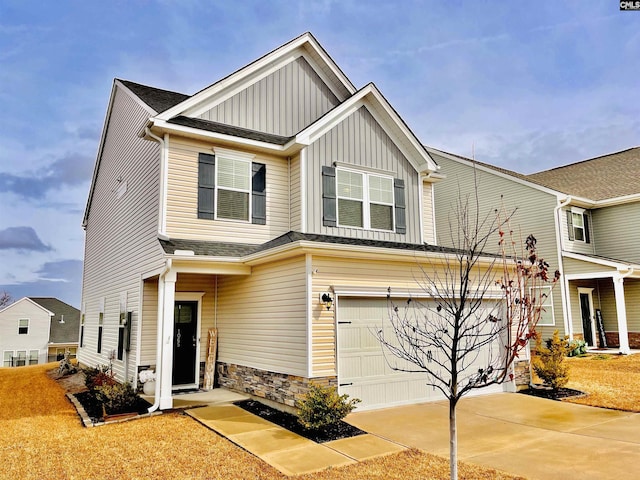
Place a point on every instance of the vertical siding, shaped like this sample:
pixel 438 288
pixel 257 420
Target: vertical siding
pixel 282 103
pixel 616 231
pixel 294 194
pixel 121 233
pixel 37 337
pixel 533 214
pixel 428 226
pixel 262 317
pixel 360 141
pixel 182 199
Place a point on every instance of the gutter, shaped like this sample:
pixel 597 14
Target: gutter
pixel 564 286
pixel 156 401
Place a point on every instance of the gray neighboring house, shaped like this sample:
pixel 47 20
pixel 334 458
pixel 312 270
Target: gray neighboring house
pixel 586 218
pixel 37 330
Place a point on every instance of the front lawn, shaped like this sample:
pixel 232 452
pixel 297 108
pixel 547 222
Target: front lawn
pixel 610 381
pixel 41 436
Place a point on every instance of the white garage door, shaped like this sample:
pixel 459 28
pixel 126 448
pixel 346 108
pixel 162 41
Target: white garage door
pixel 363 371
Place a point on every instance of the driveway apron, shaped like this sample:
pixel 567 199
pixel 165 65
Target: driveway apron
pixel 532 437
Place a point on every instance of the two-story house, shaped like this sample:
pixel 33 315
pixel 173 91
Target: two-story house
pixel 273 209
pixel 37 330
pixel 586 216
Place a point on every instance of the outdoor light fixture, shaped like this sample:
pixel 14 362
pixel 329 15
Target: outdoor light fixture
pixel 326 300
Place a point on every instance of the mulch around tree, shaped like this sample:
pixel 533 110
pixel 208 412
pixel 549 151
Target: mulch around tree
pixel 290 422
pixel 551 394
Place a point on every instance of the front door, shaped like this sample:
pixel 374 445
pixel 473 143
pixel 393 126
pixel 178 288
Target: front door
pixel 585 308
pixel 185 318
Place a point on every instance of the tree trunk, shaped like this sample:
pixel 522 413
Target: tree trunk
pixel 453 440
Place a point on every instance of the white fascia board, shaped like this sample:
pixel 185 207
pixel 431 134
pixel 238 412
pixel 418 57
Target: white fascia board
pixel 610 202
pixel 253 72
pixel 27 299
pixel 392 124
pixel 208 265
pixel 600 261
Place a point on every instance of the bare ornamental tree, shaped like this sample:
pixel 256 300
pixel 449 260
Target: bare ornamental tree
pixel 477 316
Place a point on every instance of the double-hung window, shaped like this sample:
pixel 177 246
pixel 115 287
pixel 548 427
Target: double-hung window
pixel 578 225
pixel 365 200
pixel 23 326
pixel 542 296
pixel 231 187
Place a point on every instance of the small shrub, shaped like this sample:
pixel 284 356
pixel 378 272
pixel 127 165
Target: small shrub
pixel 98 377
pixel 549 362
pixel 323 406
pixel 577 348
pixel 117 398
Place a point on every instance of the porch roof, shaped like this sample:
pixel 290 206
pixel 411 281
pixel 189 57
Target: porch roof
pixel 606 261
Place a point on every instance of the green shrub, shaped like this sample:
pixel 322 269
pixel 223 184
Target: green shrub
pixel 323 406
pixel 577 348
pixel 117 398
pixel 98 377
pixel 549 362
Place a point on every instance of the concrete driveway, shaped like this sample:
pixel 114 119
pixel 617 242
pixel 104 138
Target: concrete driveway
pixel 519 434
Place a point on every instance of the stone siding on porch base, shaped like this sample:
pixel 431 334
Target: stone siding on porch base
pixel 522 373
pixel 277 387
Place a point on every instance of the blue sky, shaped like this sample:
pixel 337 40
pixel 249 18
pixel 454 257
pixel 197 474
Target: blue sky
pixel 527 86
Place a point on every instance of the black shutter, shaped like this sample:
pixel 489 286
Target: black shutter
pixel 329 218
pixel 585 222
pixel 570 225
pixel 400 205
pixel 206 186
pixel 259 194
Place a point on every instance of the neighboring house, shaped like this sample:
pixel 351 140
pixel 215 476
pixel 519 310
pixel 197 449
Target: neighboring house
pixel 586 217
pixel 277 206
pixel 37 330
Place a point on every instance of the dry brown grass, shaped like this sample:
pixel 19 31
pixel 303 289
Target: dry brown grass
pixel 41 437
pixel 610 381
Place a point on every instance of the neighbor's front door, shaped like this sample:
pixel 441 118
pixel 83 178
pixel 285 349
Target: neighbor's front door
pixel 185 336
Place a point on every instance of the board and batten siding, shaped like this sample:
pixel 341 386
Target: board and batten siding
pixel 121 233
pixel 616 231
pixel 261 317
pixel 360 141
pixel 182 199
pixel 534 214
pixel 37 337
pixel 283 103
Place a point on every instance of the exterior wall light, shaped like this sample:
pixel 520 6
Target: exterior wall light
pixel 326 300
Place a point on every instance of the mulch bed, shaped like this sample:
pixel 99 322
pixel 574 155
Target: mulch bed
pixel 94 407
pixel 290 422
pixel 559 394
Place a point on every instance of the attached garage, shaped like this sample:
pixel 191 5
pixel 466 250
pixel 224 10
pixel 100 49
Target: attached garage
pixel 363 371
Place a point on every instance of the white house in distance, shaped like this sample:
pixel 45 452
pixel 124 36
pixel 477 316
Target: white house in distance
pixel 37 330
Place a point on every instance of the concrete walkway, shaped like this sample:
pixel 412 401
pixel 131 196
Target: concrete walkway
pixel 519 434
pixel 284 450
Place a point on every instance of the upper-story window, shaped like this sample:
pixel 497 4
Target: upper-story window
pixel 362 199
pixel 578 225
pixel 231 187
pixel 23 326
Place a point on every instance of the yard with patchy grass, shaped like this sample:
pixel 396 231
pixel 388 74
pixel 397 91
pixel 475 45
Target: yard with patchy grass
pixel 41 437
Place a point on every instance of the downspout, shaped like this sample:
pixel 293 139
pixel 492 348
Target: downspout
pixel 163 184
pixel 564 285
pixel 156 401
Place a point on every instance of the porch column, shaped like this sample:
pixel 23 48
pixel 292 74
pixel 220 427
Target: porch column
pixel 166 372
pixel 621 311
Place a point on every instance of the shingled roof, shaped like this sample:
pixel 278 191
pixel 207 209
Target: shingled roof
pixel 67 332
pixel 609 176
pixel 229 130
pixel 158 99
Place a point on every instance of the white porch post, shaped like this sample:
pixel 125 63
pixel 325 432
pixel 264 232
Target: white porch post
pixel 621 311
pixel 166 371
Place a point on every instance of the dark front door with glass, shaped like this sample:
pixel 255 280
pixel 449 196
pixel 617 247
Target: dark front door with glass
pixel 185 338
pixel 585 309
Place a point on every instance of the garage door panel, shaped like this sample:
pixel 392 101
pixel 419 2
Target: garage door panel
pixel 363 370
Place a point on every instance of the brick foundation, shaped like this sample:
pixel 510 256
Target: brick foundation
pixel 614 341
pixel 277 387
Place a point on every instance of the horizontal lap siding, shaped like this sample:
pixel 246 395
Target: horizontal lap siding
pixel 262 318
pixel 576 246
pixel 616 231
pixel 121 235
pixel 294 195
pixel 608 304
pixel 37 337
pixel 428 226
pixel 149 340
pixel 331 271
pixel 359 140
pixel 182 199
pixel 282 103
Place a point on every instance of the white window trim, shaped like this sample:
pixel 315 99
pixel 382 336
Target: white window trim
pixel 235 156
pixel 366 202
pixel 12 352
pixel 28 325
pixel 548 308
pixel 582 212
